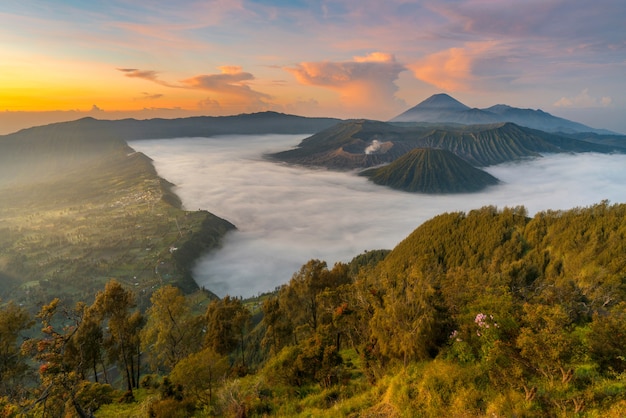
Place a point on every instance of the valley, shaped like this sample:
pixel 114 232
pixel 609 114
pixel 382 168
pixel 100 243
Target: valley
pixel 129 251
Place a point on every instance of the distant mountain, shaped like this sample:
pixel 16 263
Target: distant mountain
pixel 199 126
pixel 362 144
pixel 429 170
pixel 441 108
pixel 442 102
pixel 44 150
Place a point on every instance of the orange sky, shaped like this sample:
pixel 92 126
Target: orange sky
pixel 344 58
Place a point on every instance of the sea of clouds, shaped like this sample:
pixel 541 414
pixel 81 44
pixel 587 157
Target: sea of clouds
pixel 288 215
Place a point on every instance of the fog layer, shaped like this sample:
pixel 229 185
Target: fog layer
pixel 288 215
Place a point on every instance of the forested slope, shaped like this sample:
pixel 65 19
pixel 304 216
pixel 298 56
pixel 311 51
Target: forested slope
pixel 484 313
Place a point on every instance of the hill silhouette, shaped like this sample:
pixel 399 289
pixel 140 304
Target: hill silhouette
pixel 429 170
pixel 198 126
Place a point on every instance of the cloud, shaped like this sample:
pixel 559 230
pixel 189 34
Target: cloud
pixel 149 75
pixel 230 87
pixel 149 96
pixel 567 20
pixel 287 215
pixel 232 81
pixel 450 70
pixel 583 100
pixel 455 69
pixel 365 84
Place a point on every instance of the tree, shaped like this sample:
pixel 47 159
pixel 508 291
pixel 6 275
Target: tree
pixel 546 341
pixel 87 342
pixel 408 325
pixel 171 332
pixel 121 340
pixel 278 328
pixel 227 321
pixel 60 380
pixel 200 374
pixel 300 302
pixel 607 340
pixel 13 321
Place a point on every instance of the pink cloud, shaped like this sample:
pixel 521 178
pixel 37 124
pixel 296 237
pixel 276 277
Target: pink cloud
pixel 450 69
pixel 463 68
pixel 365 84
pixel 229 86
pixel 232 81
pixel 149 75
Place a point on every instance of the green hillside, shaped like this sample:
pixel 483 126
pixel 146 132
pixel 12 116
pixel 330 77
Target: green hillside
pixel 429 170
pixel 478 314
pixel 79 209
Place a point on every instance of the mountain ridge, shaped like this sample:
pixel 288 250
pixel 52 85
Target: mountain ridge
pixel 344 145
pixel 205 126
pixel 442 108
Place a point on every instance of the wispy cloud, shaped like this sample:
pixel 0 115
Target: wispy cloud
pixel 231 81
pixel 230 85
pixel 365 84
pixel 150 96
pixel 229 88
pixel 149 75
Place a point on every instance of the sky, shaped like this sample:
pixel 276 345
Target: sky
pixel 286 215
pixel 66 59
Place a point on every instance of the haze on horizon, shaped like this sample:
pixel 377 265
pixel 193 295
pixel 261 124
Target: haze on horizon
pixel 63 60
pixel 288 215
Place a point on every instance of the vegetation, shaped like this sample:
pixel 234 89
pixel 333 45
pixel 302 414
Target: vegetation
pixel 88 209
pixel 485 313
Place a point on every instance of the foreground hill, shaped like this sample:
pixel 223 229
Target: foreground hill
pixel 474 314
pixel 429 170
pixel 360 144
pixel 441 108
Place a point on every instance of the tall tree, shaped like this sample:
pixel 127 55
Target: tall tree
pixel 200 374
pixel 116 306
pixel 300 301
pixel 58 370
pixel 172 332
pixel 409 324
pixel 13 321
pixel 87 342
pixel 227 321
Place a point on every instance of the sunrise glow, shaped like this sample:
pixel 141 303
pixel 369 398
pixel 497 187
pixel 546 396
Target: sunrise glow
pixel 346 59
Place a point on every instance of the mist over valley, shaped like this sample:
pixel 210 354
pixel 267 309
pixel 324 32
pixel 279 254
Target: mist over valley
pixel 286 215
